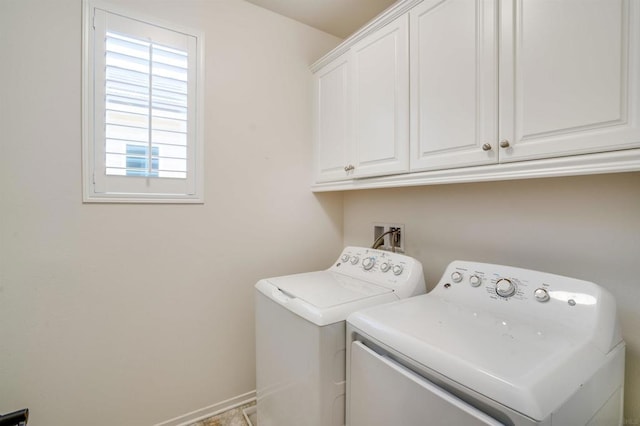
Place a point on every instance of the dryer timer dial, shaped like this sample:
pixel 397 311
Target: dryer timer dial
pixel 505 288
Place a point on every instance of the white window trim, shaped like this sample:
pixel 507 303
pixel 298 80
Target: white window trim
pixel 88 125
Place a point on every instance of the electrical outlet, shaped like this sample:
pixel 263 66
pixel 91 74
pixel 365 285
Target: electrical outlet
pixel 390 240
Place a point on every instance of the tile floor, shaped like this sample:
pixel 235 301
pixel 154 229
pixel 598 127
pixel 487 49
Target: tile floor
pixel 232 417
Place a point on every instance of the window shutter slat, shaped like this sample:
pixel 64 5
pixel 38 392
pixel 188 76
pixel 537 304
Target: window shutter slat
pixel 146 108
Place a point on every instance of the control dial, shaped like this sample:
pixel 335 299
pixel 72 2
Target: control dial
pixel 345 258
pixel 385 266
pixel 368 263
pixel 456 277
pixel 397 269
pixel 541 294
pixel 355 260
pixel 505 288
pixel 475 280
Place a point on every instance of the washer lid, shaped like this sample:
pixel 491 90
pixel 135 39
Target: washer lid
pixel 325 289
pixel 324 297
pixel 527 366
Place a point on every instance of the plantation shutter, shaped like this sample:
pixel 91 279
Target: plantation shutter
pixel 144 107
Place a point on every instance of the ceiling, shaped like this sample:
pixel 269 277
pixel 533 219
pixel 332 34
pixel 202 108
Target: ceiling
pixel 338 17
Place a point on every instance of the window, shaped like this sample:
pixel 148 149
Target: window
pixel 142 109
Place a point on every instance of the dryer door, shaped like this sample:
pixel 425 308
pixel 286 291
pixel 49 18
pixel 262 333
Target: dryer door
pixel 384 393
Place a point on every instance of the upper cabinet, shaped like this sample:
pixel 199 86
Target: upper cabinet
pixel 332 124
pixel 454 83
pixel 569 77
pixel 362 107
pixel 439 91
pixel 381 101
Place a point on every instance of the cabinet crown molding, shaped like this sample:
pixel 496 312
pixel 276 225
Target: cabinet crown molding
pixel 391 13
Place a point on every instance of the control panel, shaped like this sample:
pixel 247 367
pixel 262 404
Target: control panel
pixel 504 283
pixel 539 301
pixel 480 283
pixel 399 272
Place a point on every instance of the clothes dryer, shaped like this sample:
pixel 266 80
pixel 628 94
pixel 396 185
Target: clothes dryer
pixel 489 345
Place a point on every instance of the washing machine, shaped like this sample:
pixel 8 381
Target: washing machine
pixel 301 333
pixel 489 345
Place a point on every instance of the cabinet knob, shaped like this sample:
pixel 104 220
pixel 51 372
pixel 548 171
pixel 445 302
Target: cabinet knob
pixel 504 143
pixel 486 147
pixel 349 168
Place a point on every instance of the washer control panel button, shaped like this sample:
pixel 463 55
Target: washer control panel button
pixel 368 263
pixel 397 269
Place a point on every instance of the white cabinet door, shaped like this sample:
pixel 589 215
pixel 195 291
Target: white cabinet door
pixel 454 84
pixel 332 121
pixel 380 107
pixel 569 77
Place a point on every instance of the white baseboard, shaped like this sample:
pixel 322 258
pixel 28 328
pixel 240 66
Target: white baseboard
pixel 211 410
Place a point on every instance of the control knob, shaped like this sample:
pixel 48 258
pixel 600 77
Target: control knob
pixel 475 280
pixel 368 263
pixel 397 269
pixel 541 294
pixel 355 260
pixel 505 288
pixel 456 277
pixel 344 258
pixel 385 266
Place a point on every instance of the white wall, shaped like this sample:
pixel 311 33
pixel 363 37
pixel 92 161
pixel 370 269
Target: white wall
pixel 134 314
pixel 95 330
pixel 584 227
